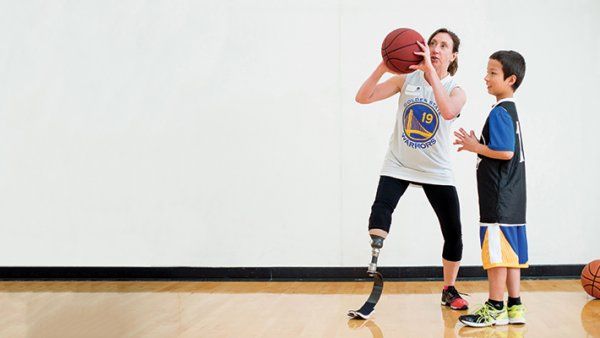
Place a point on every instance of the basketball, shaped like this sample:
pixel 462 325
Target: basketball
pixel 398 50
pixel 590 278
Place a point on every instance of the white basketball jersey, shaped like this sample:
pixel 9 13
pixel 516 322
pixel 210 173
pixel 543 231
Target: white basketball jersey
pixel 419 148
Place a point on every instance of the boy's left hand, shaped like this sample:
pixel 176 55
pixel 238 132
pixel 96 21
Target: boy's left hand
pixel 467 142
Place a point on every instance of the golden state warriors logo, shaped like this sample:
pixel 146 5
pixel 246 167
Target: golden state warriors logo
pixel 420 123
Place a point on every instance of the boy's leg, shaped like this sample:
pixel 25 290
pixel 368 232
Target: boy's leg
pixel 516 310
pixel 493 312
pixel 513 282
pixel 497 281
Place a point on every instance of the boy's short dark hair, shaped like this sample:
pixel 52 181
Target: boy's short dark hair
pixel 512 63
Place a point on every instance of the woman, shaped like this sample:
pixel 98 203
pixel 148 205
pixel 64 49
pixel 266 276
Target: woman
pixel 419 151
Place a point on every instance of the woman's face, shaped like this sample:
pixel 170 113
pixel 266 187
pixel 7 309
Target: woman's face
pixel 441 46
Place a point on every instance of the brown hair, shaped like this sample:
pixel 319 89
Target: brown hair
pixel 512 63
pixel 453 67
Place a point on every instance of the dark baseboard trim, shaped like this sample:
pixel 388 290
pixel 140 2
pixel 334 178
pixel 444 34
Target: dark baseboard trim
pixel 572 271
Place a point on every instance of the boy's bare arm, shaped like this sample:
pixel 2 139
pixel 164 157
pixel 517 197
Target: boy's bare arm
pixel 469 142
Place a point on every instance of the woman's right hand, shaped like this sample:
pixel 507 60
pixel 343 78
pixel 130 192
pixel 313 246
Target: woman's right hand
pixel 372 90
pixel 383 68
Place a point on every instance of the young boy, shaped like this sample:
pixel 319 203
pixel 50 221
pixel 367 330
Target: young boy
pixel 502 198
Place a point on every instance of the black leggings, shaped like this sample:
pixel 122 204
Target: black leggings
pixel 443 199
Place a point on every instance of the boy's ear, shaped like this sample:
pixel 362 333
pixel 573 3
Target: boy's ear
pixel 511 80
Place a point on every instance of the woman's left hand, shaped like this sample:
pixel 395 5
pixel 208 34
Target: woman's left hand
pixel 424 65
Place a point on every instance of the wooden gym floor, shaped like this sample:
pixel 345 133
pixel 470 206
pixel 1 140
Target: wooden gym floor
pixel 556 308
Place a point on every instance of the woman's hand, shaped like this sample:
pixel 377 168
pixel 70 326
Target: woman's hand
pixel 383 68
pixel 426 66
pixel 372 91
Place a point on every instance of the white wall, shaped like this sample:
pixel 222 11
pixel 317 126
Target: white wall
pixel 225 133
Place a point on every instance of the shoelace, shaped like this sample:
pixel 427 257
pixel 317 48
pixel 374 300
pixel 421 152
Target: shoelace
pixel 455 293
pixel 484 313
pixel 520 309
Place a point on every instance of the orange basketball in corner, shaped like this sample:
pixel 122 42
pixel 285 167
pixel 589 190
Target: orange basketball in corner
pixel 590 278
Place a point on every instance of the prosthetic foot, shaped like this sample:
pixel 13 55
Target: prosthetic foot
pixel 369 307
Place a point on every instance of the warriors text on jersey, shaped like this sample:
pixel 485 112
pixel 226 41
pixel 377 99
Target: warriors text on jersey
pixel 419 149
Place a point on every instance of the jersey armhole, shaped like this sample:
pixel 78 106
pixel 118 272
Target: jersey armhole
pixel 456 86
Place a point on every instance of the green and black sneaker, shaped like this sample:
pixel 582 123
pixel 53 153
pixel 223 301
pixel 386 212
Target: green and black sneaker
pixel 516 314
pixel 487 315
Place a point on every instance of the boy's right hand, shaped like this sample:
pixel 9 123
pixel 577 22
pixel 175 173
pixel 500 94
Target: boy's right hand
pixel 467 141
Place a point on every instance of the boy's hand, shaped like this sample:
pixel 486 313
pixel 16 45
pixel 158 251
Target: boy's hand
pixel 467 141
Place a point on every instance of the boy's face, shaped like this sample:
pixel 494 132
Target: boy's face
pixel 494 79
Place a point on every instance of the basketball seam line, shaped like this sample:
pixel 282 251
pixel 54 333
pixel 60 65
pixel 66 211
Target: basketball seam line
pixel 596 274
pixel 393 65
pixel 593 287
pixel 388 59
pixel 395 37
pixel 588 278
pixel 404 60
pixel 410 44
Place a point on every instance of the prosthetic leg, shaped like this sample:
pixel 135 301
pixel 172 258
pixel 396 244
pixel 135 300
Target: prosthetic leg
pixel 368 308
